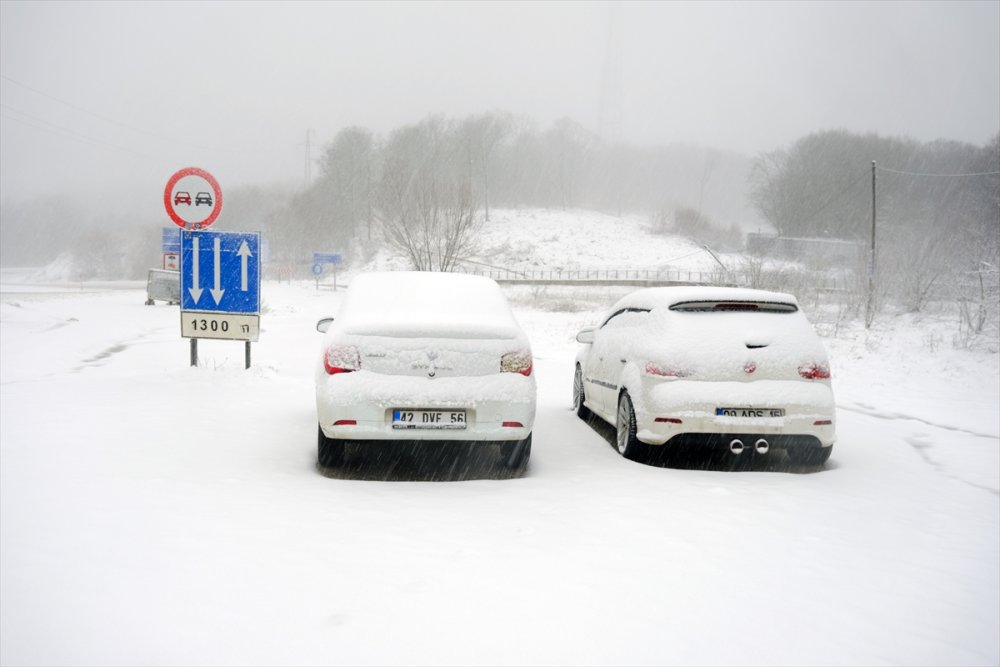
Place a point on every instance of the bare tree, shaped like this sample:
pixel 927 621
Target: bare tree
pixel 767 193
pixel 347 173
pixel 916 264
pixel 482 135
pixel 424 200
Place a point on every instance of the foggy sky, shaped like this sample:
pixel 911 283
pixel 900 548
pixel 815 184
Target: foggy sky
pixel 109 97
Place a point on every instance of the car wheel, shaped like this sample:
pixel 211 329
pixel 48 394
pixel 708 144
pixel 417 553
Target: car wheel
pixel 578 396
pixel 515 454
pixel 809 456
pixel 330 452
pixel 625 441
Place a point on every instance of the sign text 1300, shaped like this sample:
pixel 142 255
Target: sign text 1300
pixel 226 326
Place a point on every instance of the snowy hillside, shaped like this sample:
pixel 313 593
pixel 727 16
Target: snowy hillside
pixel 545 239
pixel 553 240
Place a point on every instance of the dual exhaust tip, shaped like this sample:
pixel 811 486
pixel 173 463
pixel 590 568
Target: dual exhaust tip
pixel 737 446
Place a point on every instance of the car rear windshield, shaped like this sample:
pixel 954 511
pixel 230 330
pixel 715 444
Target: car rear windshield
pixel 425 304
pixel 737 306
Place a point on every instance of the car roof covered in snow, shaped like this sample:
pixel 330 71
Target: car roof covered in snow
pixel 684 321
pixel 423 303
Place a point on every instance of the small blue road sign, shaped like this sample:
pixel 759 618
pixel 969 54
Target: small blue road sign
pixel 171 240
pixel 317 269
pixel 220 271
pixel 334 258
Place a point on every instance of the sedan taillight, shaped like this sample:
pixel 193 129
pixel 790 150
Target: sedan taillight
pixel 342 359
pixel 516 362
pixel 814 371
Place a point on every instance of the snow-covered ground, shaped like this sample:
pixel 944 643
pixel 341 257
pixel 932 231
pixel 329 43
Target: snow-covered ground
pixel 154 513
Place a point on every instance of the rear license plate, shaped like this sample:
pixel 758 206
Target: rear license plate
pixel 433 419
pixel 749 412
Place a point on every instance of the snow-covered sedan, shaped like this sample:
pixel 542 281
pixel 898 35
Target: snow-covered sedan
pixel 424 356
pixel 708 367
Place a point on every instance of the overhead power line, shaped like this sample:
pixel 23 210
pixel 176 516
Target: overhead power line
pixel 52 128
pixel 99 116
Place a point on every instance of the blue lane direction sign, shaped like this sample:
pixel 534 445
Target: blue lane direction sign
pixel 220 285
pixel 220 271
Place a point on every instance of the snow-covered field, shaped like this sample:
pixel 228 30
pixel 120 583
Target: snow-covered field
pixel 154 513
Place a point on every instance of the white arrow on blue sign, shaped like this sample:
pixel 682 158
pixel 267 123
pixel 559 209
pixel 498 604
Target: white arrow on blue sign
pixel 220 271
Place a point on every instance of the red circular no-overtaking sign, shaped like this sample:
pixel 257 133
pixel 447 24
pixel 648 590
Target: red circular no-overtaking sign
pixel 192 194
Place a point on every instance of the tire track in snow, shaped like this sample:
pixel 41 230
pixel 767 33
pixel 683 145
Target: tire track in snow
pixel 94 360
pixel 892 416
pixel 102 357
pixel 921 444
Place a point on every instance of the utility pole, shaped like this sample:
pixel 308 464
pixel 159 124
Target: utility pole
pixel 870 306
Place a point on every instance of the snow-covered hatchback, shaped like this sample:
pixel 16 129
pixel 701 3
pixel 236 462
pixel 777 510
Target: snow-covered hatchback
pixel 708 367
pixel 424 356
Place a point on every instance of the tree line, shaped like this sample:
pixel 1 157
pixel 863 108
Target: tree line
pixel 936 206
pixel 424 188
pixel 821 185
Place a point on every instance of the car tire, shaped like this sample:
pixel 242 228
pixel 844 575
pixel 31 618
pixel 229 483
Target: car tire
pixel 626 442
pixel 809 456
pixel 515 454
pixel 582 411
pixel 329 451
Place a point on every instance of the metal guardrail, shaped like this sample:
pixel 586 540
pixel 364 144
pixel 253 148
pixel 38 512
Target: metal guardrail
pixel 585 277
pixel 603 276
pixel 639 278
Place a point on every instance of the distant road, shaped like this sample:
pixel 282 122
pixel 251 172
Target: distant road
pixel 8 288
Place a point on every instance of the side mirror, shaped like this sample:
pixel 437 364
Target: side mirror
pixel 586 335
pixel 324 324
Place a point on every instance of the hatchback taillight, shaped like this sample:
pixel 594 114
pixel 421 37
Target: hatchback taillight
pixel 341 359
pixel 814 371
pixel 516 362
pixel 664 371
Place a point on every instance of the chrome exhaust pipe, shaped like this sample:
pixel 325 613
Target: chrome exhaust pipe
pixel 736 446
pixel 761 446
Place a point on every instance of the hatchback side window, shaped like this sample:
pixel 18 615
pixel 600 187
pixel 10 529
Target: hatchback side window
pixel 625 317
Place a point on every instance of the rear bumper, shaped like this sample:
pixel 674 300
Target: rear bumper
pixel 359 406
pixel 696 442
pixel 669 410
